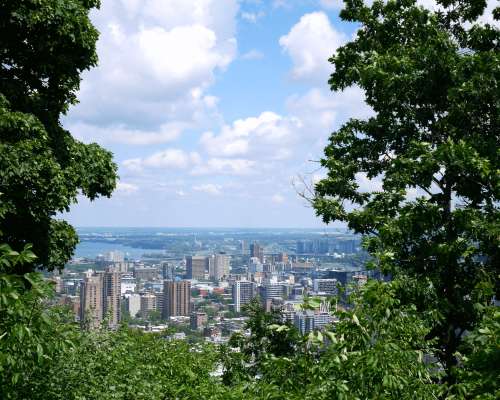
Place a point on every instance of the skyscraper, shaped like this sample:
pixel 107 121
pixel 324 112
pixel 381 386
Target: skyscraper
pixel 196 267
pixel 177 298
pixel 168 270
pixel 243 292
pixel 257 251
pixel 221 266
pixel 111 292
pixel 91 301
pixel 148 304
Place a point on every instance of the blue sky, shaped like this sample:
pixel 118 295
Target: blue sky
pixel 213 109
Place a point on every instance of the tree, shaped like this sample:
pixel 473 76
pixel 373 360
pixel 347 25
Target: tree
pixel 433 142
pixel 44 47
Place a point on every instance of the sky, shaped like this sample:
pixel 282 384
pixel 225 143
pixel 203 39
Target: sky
pixel 215 110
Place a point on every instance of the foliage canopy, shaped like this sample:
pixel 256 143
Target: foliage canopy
pixel 433 143
pixel 44 47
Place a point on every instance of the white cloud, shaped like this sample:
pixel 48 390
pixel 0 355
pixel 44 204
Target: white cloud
pixel 253 55
pixel 369 185
pixel 252 17
pixel 268 136
pixel 278 199
pixel 310 43
pixel 208 188
pixel 321 110
pixel 122 134
pixel 224 166
pixel 126 188
pixel 157 59
pixel 166 159
pixel 332 4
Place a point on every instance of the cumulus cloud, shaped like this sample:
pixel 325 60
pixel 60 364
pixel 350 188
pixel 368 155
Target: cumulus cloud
pixel 224 166
pixel 321 110
pixel 208 188
pixel 268 135
pixel 122 134
pixel 309 44
pixel 165 159
pixel 126 188
pixel 157 60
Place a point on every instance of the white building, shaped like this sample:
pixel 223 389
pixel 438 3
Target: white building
pixel 243 293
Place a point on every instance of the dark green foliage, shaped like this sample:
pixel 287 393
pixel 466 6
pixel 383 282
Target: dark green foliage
pixel 376 350
pixel 479 375
pixel 31 333
pixel 44 47
pixel 433 83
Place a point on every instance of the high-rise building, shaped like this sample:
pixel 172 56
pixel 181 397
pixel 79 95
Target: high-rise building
pixel 198 320
pixel 91 301
pixel 148 304
pixel 168 271
pixel 160 298
pixel 243 292
pixel 255 265
pixel 269 292
pixel 282 258
pixel 244 247
pixel 196 266
pixel 221 266
pixel 257 251
pixel 133 303
pixel 100 297
pixel 111 295
pixel 177 298
pixel 308 320
pixel 328 286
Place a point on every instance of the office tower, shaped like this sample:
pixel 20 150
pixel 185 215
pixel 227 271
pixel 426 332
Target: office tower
pixel 282 258
pixel 168 271
pixel 269 292
pixel 321 246
pixel 198 320
pixel 328 286
pixel 243 292
pixel 177 298
pixel 305 247
pixel 308 321
pixel 257 251
pixel 111 297
pixel 196 266
pixel 133 303
pixel 244 247
pixel 160 298
pixel 91 301
pixel 221 266
pixel 148 304
pixel 255 265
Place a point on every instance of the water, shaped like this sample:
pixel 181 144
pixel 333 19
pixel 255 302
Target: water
pixel 89 249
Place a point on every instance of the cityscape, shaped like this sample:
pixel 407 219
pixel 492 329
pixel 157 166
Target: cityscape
pixel 195 284
pixel 249 200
